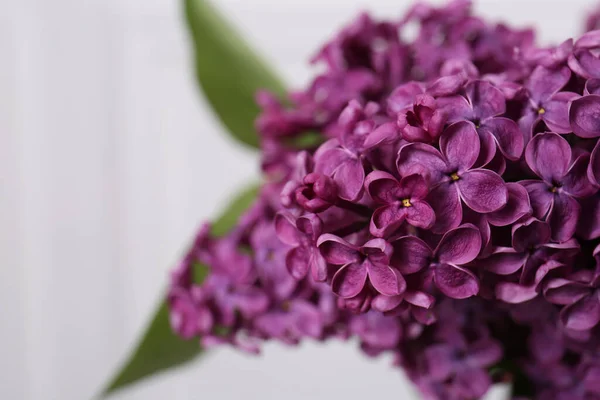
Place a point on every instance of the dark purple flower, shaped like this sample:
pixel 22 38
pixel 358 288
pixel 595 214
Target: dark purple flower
pixel 584 59
pixel 423 122
pixel 402 201
pixel 302 233
pixel 531 257
pixel 545 102
pixel 361 264
pixel 563 181
pixel 445 263
pixel 452 176
pixel 483 106
pixel 584 116
pixel 580 294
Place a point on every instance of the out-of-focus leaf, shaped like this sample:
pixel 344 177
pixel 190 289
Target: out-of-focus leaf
pixel 228 70
pixel 160 349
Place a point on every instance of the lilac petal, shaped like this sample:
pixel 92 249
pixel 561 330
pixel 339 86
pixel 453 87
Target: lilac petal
pixel 564 292
pixel 548 155
pixel 421 215
pixel 387 219
pixel 446 85
pixel 484 353
pixel 413 187
pixel 472 383
pixel 421 154
pixel 419 299
pixel 349 280
pixel 508 136
pixel 482 190
pixel 583 315
pixel 383 303
pixel 336 250
pixel 514 293
pixel 411 254
pixel 498 163
pixel 456 282
pixel 592 86
pixel 584 116
pixel 589 227
pixel 487 100
pixel 307 319
pixel 328 159
pixel 285 227
pixel 350 177
pixel 439 359
pixel 424 316
pixel 556 112
pixel 310 225
pixel 530 234
pixel 504 261
pixel 455 108
pixel 540 197
pixel 382 187
pixel 544 82
pixel 563 217
pixel 593 171
pixel 527 123
pixel 516 207
pixel 296 261
pixel 445 201
pixel 403 96
pixel 487 147
pixel 576 181
pixel 383 134
pixel 385 279
pixel 459 143
pixel 318 265
pixel 588 40
pixel 459 246
pixel 584 63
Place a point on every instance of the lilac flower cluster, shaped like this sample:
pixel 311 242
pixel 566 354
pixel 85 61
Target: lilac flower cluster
pixel 450 216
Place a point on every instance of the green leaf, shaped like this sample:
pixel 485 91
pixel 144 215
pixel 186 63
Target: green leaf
pixel 228 70
pixel 160 349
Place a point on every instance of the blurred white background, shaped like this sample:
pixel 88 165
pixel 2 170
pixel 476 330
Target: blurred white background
pixel 110 159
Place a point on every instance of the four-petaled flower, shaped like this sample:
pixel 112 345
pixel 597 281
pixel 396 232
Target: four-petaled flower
pixel 446 263
pixel 361 264
pixel 402 201
pixel 563 181
pixel 452 176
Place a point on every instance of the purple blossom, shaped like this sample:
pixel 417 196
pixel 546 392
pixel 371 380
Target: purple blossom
pixel 564 180
pixel 452 176
pixel 584 116
pixel 401 201
pixel 423 122
pixel 446 263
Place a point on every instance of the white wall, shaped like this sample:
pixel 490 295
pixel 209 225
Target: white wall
pixel 109 160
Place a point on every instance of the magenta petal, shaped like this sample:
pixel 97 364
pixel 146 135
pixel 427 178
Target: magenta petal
pixel 584 116
pixel 349 280
pixel 310 225
pixel 328 158
pixel 456 108
pixel 336 250
pixel 297 262
pixel 413 187
pixel 544 82
pixel 592 86
pixel 516 207
pixel 403 96
pixel 460 245
pixel 514 293
pixel 421 154
pixel 285 227
pixel 565 292
pixel 318 265
pixel 419 299
pixel 504 261
pixel 589 227
pixel 593 171
pixel 382 187
pixel 421 215
pixel 460 144
pixel 556 112
pixel 385 279
pixel 540 197
pixel 445 201
pixel 411 254
pixel 482 190
pixel 508 136
pixel 487 100
pixel 383 303
pixel 350 177
pixel 387 219
pixel 439 359
pixel 548 155
pixel 563 217
pixel 576 182
pixel 456 282
pixel 484 352
pixel 530 234
pixel 583 315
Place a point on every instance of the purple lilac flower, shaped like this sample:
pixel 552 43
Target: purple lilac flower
pixel 564 180
pixel 452 176
pixel 584 115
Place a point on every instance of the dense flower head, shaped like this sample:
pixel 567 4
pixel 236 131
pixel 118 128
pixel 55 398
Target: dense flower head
pixel 449 214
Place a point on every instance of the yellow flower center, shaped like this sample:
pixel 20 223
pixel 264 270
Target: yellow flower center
pixel 406 203
pixel 541 111
pixel 454 177
pixel 553 189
